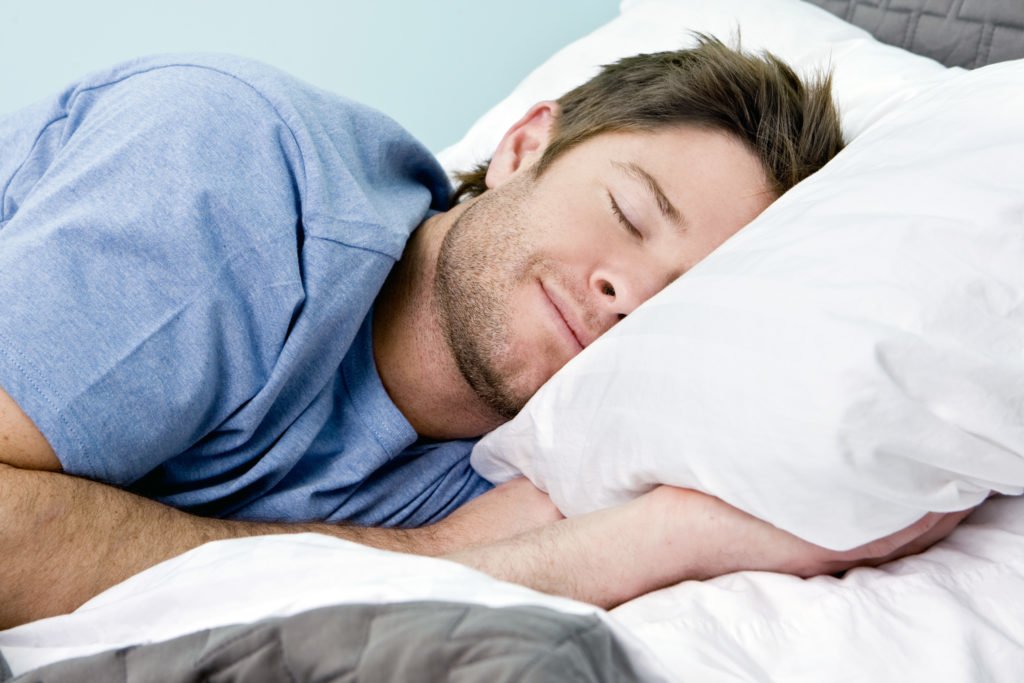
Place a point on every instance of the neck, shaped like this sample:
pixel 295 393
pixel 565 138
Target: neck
pixel 412 354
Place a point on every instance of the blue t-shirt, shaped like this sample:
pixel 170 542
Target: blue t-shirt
pixel 190 247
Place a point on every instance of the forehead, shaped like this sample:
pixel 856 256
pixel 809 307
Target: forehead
pixel 711 175
pixel 675 150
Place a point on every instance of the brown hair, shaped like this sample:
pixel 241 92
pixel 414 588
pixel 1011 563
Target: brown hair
pixel 792 126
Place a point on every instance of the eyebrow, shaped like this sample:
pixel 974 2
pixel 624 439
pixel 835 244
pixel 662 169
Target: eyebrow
pixel 650 183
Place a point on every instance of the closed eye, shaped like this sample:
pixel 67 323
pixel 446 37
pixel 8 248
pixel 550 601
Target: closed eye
pixel 622 218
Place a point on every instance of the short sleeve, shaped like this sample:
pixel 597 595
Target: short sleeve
pixel 149 273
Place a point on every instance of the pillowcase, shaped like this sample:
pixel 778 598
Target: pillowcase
pixel 852 359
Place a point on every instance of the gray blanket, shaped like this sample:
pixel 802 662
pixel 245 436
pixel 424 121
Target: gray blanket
pixel 394 643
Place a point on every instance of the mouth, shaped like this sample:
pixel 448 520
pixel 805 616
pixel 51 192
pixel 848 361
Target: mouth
pixel 560 312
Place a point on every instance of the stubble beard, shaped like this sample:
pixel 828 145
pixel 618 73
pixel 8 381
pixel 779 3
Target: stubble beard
pixel 482 259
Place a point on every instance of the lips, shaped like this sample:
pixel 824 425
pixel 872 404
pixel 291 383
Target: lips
pixel 567 313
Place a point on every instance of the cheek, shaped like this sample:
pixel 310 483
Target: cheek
pixel 566 218
pixel 745 211
pixel 533 353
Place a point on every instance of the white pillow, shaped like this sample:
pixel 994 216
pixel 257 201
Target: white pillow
pixel 851 360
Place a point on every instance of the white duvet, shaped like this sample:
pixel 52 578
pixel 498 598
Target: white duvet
pixel 954 614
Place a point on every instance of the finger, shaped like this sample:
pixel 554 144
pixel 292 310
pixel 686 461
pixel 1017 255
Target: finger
pixel 884 547
pixel 936 526
pixel 944 528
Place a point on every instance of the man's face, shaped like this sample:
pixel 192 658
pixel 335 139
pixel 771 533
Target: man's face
pixel 535 270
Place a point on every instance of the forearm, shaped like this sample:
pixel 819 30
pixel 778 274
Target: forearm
pixel 64 539
pixel 604 558
pixel 671 535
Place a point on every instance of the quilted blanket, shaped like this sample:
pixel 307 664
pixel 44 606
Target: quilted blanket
pixel 967 33
pixel 417 641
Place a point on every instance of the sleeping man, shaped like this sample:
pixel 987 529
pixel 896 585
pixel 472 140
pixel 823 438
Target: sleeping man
pixel 235 305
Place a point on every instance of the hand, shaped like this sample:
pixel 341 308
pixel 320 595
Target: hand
pixel 512 508
pixel 730 540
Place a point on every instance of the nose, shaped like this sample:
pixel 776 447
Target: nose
pixel 620 292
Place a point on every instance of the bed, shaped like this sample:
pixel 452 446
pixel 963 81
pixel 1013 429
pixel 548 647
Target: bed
pixel 310 607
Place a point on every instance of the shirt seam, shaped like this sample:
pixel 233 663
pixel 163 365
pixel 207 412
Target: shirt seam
pixel 368 424
pixel 360 247
pixel 35 143
pixel 35 380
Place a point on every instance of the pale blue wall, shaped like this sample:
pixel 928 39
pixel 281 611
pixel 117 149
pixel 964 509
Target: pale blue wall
pixel 435 66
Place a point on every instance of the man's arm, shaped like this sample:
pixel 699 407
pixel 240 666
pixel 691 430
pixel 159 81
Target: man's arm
pixel 671 535
pixel 65 539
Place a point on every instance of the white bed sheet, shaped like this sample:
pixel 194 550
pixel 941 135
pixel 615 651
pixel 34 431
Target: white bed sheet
pixel 954 614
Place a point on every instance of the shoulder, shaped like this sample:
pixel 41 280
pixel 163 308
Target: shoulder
pixel 203 113
pixel 186 87
pixel 218 96
pixel 176 82
pixel 361 179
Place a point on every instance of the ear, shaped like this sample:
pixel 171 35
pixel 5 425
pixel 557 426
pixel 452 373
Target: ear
pixel 523 144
